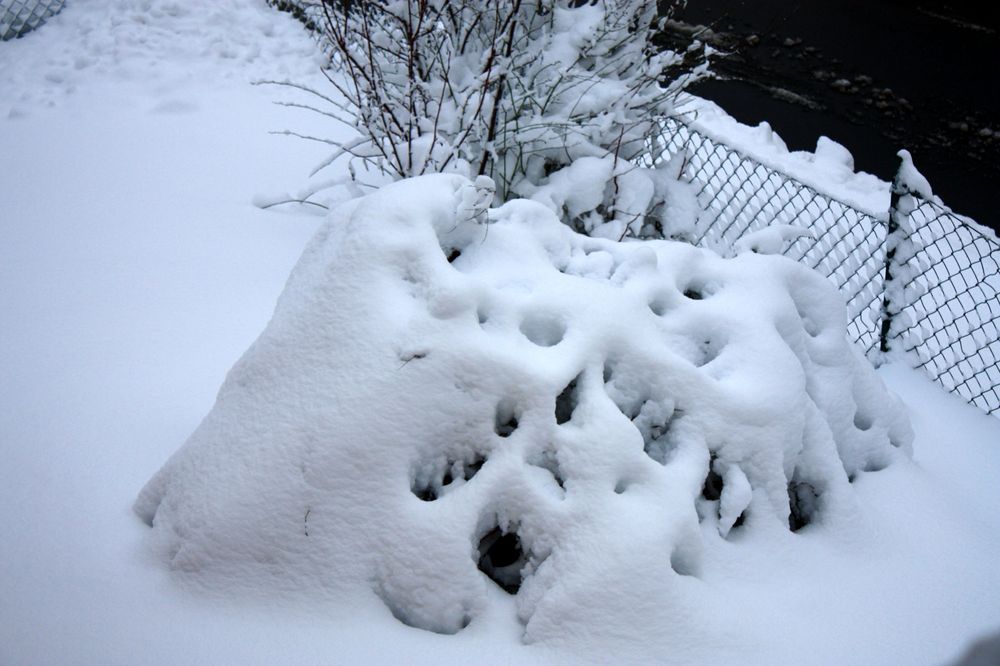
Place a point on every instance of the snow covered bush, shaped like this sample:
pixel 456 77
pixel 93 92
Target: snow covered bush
pixel 553 99
pixel 449 402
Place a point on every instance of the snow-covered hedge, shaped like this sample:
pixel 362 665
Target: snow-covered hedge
pixel 440 406
pixel 553 99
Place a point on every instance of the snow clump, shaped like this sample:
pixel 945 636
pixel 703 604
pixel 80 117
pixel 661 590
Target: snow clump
pixel 449 402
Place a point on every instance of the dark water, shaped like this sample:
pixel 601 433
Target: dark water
pixel 876 76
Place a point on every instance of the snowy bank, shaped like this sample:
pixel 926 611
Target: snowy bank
pixel 438 402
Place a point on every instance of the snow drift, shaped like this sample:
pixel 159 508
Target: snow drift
pixel 449 399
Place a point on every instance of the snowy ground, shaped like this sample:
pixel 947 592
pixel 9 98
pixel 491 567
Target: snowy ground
pixel 134 271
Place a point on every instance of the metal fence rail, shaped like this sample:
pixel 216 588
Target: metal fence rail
pixel 18 17
pixel 950 327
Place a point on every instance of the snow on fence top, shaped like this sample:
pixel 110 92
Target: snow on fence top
pixel 18 17
pixel 945 305
pixel 440 407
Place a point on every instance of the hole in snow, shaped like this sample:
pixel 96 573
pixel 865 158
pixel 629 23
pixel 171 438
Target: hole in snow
pixel 802 504
pixel 874 466
pixel 808 321
pixel 660 305
pixel 462 472
pixel 693 293
pixel 629 401
pixel 700 349
pixel 502 558
pixel 712 488
pixel 708 350
pixel 653 420
pixel 548 461
pixel 401 613
pixel 545 330
pixel 567 401
pixel 660 449
pixel 862 421
pixel 453 255
pixel 432 481
pixel 483 316
pixel 621 487
pixel 699 290
pixel 811 327
pixel 425 493
pixel 609 371
pixel 505 422
pixel 683 563
pixel 711 494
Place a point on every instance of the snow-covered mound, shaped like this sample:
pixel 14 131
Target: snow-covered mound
pixel 440 406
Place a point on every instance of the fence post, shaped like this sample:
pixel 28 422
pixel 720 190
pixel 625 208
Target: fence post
pixel 892 232
pixel 899 290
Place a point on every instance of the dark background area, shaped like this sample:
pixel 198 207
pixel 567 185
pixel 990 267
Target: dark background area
pixel 874 75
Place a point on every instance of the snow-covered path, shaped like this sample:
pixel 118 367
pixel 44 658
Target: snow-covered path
pixel 134 271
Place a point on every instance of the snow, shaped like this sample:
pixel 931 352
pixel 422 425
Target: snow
pixel 910 180
pixel 133 273
pixel 772 239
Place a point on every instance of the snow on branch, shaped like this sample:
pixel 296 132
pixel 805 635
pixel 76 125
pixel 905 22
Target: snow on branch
pixel 517 91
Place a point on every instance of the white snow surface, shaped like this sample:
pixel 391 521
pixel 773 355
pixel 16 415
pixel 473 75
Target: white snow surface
pixel 133 273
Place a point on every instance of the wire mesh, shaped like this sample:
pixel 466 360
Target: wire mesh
pixel 952 329
pixel 19 17
pixel 954 326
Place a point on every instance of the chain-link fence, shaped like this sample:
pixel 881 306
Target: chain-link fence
pixel 953 326
pixel 18 17
pixel 740 195
pixel 948 314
